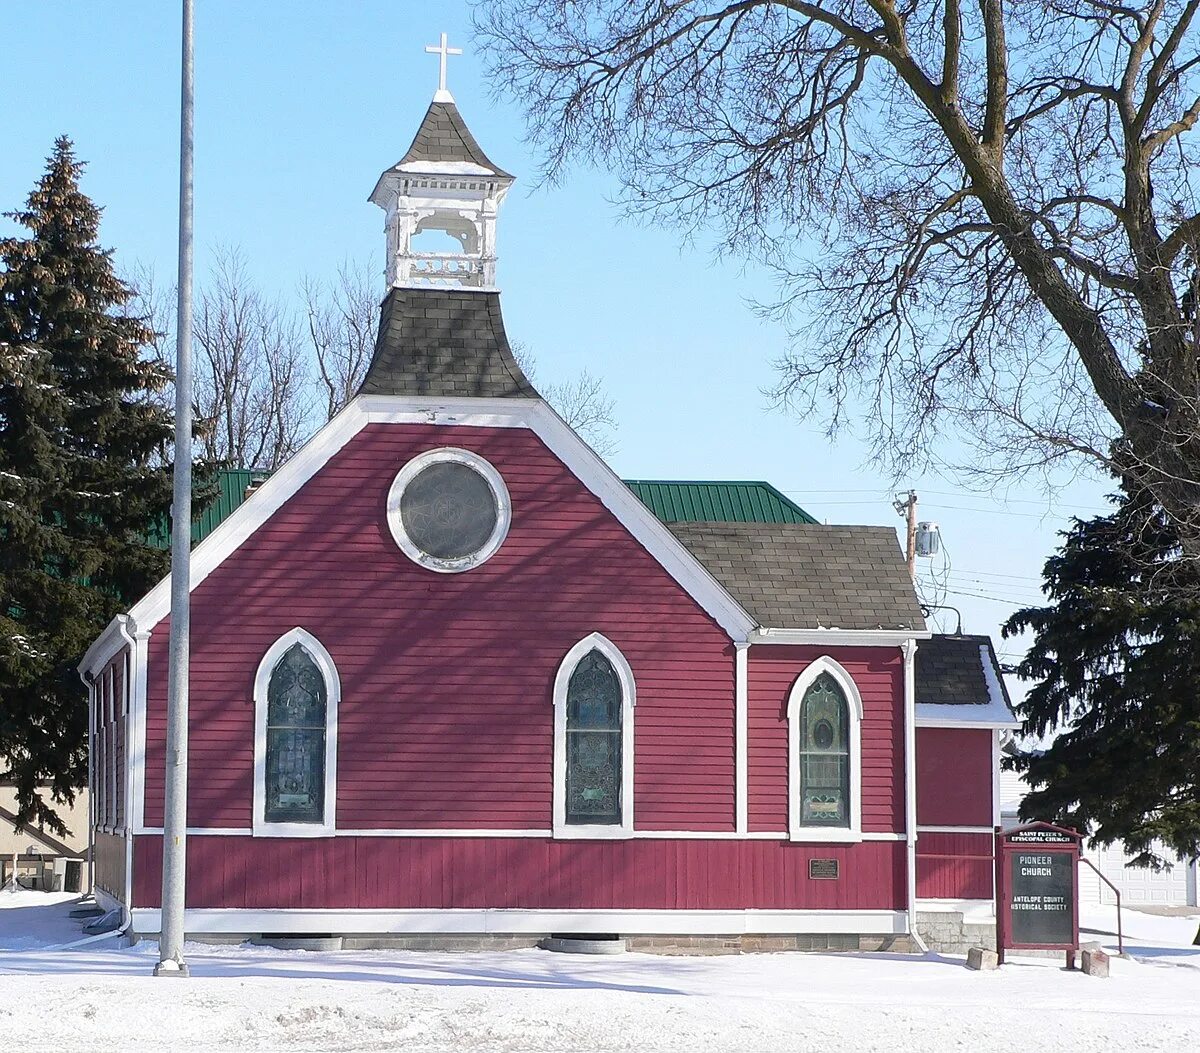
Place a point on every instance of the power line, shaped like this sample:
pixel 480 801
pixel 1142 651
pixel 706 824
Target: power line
pixel 997 574
pixel 967 495
pixel 1011 601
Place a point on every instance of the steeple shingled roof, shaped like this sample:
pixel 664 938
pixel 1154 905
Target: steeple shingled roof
pixel 444 137
pixel 446 342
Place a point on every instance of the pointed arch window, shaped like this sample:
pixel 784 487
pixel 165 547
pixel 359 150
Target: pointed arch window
pixel 296 694
pixel 825 776
pixel 593 741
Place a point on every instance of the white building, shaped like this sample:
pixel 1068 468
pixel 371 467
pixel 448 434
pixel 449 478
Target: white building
pixel 1139 886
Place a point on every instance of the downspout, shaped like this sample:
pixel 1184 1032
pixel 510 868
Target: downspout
pixel 909 650
pixel 741 738
pixel 127 682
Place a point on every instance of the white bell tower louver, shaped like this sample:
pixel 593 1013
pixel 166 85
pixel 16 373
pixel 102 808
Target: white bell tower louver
pixel 444 183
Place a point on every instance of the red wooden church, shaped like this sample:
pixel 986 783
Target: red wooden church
pixel 452 677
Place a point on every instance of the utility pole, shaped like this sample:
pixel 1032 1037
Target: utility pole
pixel 170 938
pixel 907 506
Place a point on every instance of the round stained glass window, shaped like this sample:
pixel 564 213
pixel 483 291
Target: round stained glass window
pixel 448 510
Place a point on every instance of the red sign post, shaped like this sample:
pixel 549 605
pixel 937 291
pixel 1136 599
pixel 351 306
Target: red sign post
pixel 1037 899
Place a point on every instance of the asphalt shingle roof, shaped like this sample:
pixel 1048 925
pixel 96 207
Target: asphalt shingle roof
pixel 444 136
pixel 446 342
pixel 949 671
pixel 806 576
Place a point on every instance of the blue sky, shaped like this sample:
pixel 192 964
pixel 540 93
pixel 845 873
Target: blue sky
pixel 300 106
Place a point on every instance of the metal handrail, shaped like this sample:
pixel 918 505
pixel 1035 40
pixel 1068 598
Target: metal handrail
pixel 1117 893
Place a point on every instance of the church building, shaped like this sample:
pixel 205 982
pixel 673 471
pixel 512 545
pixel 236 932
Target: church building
pixel 454 680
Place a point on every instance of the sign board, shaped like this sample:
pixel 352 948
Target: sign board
pixel 1037 902
pixel 823 869
pixel 1048 835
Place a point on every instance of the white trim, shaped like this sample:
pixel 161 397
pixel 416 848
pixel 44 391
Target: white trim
pixel 935 715
pixel 504 920
pixel 741 724
pixel 495 483
pixel 534 414
pixel 333 687
pixel 854 712
pixel 245 831
pixel 420 831
pixel 997 742
pixel 955 830
pixel 103 647
pixel 562 680
pixel 127 708
pixel 838 637
pixel 908 651
pixel 137 756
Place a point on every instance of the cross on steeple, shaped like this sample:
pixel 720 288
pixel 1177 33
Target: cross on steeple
pixel 442 51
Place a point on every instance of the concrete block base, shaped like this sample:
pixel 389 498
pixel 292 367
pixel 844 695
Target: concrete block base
pixel 981 960
pixel 299 943
pixel 563 945
pixel 947 932
pixel 1095 962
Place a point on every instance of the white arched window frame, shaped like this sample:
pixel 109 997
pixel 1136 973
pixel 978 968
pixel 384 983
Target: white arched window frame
pixel 853 830
pixel 333 695
pixel 562 680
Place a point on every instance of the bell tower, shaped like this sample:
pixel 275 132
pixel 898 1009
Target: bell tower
pixel 444 185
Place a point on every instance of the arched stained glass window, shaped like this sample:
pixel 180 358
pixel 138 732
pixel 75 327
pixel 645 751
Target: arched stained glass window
pixel 824 755
pixel 594 740
pixel 297 697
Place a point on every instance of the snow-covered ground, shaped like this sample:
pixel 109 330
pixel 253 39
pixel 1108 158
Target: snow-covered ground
pixel 245 998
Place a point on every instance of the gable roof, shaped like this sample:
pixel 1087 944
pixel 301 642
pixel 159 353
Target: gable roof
pixel 958 680
pixel 708 501
pixel 670 501
pixel 532 413
pixel 444 137
pixel 446 342
pixel 806 576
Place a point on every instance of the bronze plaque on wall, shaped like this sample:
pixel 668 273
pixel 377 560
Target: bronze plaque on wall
pixel 823 869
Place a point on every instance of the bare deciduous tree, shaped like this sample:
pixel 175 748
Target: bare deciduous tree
pixel 252 383
pixel 582 401
pixel 983 216
pixel 343 320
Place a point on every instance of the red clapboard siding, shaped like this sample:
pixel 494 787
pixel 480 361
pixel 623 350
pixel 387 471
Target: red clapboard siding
pixel 878 673
pixel 954 776
pixel 109 855
pixel 473 873
pixel 446 717
pixel 954 866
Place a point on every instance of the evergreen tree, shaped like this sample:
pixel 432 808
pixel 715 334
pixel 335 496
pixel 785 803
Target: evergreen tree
pixel 1117 664
pixel 82 443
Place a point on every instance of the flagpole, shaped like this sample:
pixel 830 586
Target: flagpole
pixel 171 934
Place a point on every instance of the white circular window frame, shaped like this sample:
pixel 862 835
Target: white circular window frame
pixel 495 483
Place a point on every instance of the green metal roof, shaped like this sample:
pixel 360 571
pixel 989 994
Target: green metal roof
pixel 725 502
pixel 232 484
pixel 670 501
